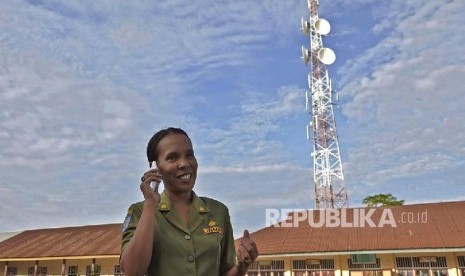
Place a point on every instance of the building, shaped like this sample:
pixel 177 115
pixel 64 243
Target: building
pixel 409 240
pixel 72 251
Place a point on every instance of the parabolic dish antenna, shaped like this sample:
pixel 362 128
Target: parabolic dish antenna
pixel 326 56
pixel 305 55
pixel 322 26
pixel 305 26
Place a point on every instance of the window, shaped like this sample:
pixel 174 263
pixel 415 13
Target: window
pixel 117 271
pixel 404 272
pixel 421 266
pixel 363 269
pixel 366 273
pixel 364 266
pixel 439 272
pixel 313 267
pixel 461 262
pixel 11 271
pixel 73 270
pixel 267 268
pixel 93 270
pixel 41 271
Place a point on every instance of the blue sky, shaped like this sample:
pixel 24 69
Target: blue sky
pixel 84 85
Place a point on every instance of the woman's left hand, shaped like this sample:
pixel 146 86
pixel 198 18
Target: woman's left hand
pixel 246 253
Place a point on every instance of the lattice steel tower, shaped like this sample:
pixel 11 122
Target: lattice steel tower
pixel 330 191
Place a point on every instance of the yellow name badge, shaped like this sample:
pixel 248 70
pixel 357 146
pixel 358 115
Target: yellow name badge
pixel 213 229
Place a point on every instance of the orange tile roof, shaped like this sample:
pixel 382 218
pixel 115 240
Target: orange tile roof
pixel 90 240
pixel 443 226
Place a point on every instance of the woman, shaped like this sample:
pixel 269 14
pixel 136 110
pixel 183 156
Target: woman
pixel 177 232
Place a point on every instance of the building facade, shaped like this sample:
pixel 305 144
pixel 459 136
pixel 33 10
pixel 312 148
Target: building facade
pixel 409 240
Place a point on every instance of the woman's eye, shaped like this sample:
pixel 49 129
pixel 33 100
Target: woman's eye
pixel 171 158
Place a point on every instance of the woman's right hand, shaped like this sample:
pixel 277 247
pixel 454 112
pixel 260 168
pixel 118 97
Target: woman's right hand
pixel 151 194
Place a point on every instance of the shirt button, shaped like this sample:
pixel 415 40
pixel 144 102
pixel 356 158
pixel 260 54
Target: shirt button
pixel 190 258
pixel 187 237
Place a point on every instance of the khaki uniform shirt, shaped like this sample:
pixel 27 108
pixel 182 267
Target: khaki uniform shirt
pixel 205 246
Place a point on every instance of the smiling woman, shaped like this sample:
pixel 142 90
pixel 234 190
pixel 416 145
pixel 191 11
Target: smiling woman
pixel 177 232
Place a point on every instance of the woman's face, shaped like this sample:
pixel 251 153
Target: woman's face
pixel 177 163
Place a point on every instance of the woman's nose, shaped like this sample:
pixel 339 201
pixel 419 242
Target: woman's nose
pixel 183 163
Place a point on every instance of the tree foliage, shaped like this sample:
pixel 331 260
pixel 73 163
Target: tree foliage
pixel 382 200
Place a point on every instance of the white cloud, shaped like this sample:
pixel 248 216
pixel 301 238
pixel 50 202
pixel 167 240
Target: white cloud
pixel 408 111
pixel 244 140
pixel 248 191
pixel 84 84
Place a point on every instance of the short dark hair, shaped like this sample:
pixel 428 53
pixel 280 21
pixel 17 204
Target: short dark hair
pixel 152 154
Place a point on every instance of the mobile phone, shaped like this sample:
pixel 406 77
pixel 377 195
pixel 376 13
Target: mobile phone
pixel 153 183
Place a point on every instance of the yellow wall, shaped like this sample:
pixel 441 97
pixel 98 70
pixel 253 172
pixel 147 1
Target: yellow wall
pixel 107 265
pixel 22 266
pixel 54 267
pixel 388 265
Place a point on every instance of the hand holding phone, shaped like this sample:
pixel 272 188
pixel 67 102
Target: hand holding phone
pixel 154 184
pixel 150 183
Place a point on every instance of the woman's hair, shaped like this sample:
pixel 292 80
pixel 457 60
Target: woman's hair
pixel 152 154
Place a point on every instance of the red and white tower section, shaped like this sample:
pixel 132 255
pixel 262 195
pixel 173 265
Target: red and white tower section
pixel 330 190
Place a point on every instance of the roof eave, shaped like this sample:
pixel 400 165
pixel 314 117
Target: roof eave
pixel 58 258
pixel 337 253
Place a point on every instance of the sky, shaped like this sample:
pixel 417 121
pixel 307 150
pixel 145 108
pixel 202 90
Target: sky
pixel 85 84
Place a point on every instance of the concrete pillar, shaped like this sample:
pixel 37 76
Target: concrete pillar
pixel 63 268
pixel 35 268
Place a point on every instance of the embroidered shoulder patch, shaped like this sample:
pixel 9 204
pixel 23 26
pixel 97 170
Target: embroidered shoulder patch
pixel 126 221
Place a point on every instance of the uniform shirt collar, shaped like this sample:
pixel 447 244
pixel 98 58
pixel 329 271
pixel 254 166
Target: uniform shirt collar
pixel 165 203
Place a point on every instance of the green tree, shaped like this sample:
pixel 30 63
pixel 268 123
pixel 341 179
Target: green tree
pixel 382 200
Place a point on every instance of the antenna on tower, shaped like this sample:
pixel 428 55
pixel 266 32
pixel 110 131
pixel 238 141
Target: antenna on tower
pixel 322 26
pixel 326 56
pixel 305 55
pixel 330 191
pixel 305 26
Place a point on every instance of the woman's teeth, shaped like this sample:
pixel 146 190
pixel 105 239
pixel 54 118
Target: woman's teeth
pixel 185 176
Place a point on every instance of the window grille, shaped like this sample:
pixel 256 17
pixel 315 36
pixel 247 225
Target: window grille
pixel 461 261
pixel 299 264
pixel 41 271
pixel 364 266
pixel 117 271
pixel 73 270
pixel 94 272
pixel 267 268
pixel 313 267
pixel 416 262
pixel 11 271
pixel 404 262
pixel 315 264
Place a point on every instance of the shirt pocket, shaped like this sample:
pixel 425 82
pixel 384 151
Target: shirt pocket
pixel 208 245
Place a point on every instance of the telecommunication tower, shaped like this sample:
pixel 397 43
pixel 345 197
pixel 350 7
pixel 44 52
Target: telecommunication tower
pixel 330 191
